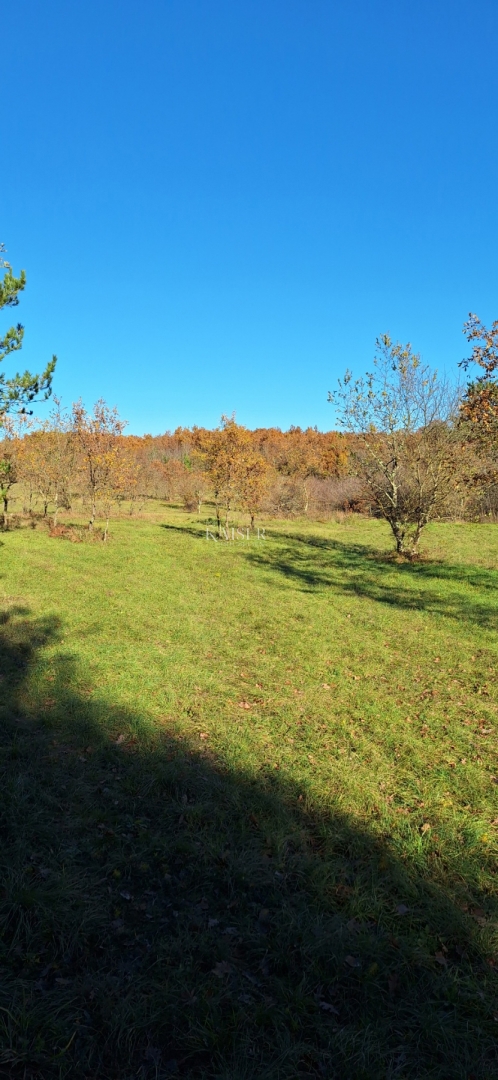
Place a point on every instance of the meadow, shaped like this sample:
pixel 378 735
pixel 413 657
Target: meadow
pixel 248 804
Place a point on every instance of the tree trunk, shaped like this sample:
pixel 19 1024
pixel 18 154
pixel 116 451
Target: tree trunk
pixel 416 537
pixel 93 516
pixel 399 536
pixel 306 497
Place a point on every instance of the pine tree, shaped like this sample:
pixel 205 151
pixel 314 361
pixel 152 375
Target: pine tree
pixel 18 392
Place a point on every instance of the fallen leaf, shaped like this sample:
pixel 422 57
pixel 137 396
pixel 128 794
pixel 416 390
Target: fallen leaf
pixel 352 961
pixel 480 916
pixel 222 968
pixel 243 705
pixel 441 959
pixel 204 735
pixel 245 999
pixel 425 827
pixel 252 979
pixel 402 909
pixel 327 1007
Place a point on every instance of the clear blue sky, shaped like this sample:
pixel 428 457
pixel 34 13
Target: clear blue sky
pixel 220 203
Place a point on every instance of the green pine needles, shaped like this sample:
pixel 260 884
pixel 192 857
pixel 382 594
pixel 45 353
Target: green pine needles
pixel 18 392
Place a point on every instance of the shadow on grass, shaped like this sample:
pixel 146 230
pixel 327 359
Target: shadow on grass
pixel 354 569
pixel 197 531
pixel 162 915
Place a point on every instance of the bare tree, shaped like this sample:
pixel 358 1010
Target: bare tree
pixel 408 450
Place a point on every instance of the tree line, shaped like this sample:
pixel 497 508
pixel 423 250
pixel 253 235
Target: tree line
pixel 409 452
pixel 412 446
pixel 76 454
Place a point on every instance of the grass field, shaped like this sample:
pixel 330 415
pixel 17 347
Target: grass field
pixel 249 804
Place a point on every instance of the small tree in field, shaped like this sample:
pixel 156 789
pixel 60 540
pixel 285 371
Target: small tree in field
pixel 45 457
pixel 226 450
pixel 237 473
pixel 193 487
pixel 8 477
pixel 407 448
pixel 97 437
pixel 13 430
pixel 254 484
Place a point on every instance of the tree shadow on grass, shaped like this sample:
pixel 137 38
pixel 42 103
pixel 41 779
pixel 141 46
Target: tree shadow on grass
pixel 197 531
pixel 165 915
pixel 355 569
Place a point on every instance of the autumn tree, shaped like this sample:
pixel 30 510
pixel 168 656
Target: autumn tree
pixel 223 464
pixel 97 438
pixel 8 477
pixel 408 448
pixel 479 406
pixel 61 456
pixel 13 428
pixel 253 483
pixel 234 468
pixel 33 467
pixel 193 487
pixel 303 460
pixel 18 392
pixel 45 459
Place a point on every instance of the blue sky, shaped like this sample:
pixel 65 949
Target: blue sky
pixel 220 204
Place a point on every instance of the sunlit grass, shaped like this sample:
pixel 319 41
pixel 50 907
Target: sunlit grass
pixel 291 743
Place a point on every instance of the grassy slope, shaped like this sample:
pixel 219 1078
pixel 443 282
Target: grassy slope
pixel 249 801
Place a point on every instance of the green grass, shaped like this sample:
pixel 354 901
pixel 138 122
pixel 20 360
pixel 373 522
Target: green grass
pixel 249 804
